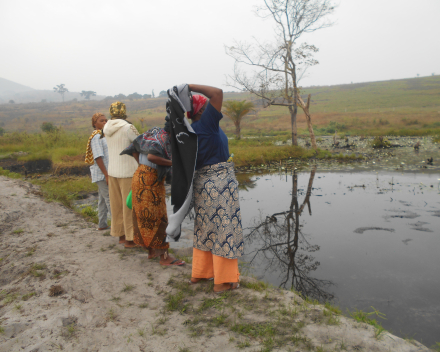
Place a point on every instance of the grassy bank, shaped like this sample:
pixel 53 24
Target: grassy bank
pixel 60 147
pixel 262 150
pixel 67 149
pixel 62 189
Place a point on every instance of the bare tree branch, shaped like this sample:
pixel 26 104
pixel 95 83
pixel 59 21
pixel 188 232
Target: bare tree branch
pixel 285 249
pixel 277 68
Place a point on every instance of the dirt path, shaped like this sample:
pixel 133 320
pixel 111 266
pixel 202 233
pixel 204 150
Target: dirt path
pixel 117 300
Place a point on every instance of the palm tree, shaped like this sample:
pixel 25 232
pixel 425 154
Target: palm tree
pixel 61 89
pixel 236 110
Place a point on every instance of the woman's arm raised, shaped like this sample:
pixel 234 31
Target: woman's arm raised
pixel 215 95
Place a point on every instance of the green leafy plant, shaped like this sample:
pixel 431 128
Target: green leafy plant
pixel 380 142
pixel 364 317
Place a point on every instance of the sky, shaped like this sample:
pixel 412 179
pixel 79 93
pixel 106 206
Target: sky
pixel 114 47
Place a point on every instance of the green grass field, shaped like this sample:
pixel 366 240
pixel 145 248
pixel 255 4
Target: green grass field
pixel 410 106
pixel 406 107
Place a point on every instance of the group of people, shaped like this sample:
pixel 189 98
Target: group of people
pixel 124 161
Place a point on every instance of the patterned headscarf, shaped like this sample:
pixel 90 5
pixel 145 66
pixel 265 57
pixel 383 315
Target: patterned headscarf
pixel 89 153
pixel 95 118
pixel 89 159
pixel 117 110
pixel 197 103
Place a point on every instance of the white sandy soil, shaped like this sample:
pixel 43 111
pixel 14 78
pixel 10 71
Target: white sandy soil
pixel 118 300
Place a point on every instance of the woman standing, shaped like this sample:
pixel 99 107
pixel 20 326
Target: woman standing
pixel 97 155
pixel 120 134
pixel 218 234
pixel 152 150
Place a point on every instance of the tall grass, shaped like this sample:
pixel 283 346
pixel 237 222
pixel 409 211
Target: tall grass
pixel 263 151
pixel 54 146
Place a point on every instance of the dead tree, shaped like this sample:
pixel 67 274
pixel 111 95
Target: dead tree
pixel 305 108
pixel 417 145
pixel 335 139
pixel 278 67
pixel 284 246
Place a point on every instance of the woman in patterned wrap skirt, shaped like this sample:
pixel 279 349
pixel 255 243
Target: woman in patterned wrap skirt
pixel 218 234
pixel 152 152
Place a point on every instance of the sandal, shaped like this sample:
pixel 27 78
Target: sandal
pixel 231 288
pixel 130 244
pixel 199 280
pixel 104 228
pixel 175 262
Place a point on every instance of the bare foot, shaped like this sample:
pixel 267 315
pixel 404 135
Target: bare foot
pixel 152 254
pixel 122 239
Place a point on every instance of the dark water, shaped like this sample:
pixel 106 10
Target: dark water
pixel 361 240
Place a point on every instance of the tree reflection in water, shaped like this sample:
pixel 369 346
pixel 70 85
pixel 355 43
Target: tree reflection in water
pixel 283 246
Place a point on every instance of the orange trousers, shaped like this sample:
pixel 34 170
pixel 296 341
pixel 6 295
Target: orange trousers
pixel 206 265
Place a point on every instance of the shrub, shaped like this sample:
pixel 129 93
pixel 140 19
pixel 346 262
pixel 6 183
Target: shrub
pixel 48 127
pixel 89 211
pixel 332 127
pixel 380 142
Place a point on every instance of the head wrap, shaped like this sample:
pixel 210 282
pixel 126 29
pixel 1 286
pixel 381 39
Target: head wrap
pixel 197 103
pixel 95 118
pixel 117 110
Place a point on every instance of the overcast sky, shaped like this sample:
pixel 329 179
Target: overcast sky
pixel 113 47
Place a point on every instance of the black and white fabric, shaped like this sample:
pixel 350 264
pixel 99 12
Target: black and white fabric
pixel 184 151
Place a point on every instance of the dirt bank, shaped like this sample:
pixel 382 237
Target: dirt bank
pixel 66 286
pixel 26 167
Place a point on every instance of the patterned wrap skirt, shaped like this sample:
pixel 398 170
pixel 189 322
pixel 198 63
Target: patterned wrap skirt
pixel 217 224
pixel 149 209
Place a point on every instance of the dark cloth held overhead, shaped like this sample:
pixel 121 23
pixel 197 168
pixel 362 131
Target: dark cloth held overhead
pixel 184 151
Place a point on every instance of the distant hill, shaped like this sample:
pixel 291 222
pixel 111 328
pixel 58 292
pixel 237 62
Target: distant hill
pixel 409 106
pixel 22 94
pixel 9 87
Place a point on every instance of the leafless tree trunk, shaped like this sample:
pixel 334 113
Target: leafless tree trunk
pixel 306 110
pixel 278 67
pixel 288 249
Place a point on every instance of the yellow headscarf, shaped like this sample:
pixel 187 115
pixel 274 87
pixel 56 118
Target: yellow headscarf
pixel 117 110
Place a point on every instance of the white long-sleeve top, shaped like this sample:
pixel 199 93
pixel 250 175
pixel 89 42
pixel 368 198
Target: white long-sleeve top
pixel 119 134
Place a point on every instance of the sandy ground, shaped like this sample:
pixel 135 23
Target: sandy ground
pixel 117 300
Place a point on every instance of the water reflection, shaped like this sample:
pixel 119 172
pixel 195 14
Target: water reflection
pixel 245 182
pixel 284 247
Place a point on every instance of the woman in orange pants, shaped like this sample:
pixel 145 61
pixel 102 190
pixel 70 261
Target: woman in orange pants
pixel 218 234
